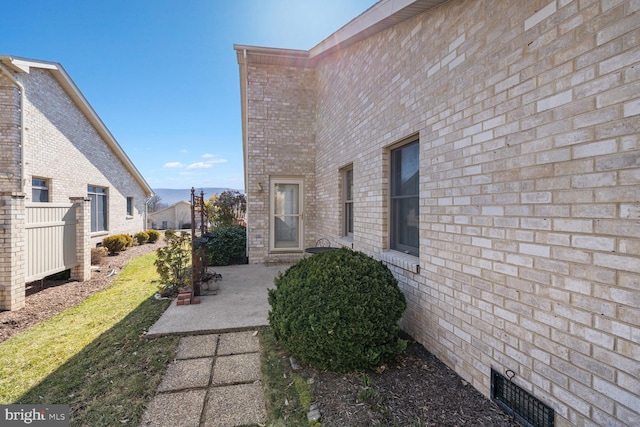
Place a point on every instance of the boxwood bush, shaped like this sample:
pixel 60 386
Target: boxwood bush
pixel 227 245
pixel 338 310
pixel 154 235
pixel 116 243
pixel 141 237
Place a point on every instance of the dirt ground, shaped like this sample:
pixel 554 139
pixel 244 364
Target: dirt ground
pixel 46 299
pixel 415 389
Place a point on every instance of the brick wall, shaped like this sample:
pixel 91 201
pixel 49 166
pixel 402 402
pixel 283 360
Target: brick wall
pixel 281 136
pixel 528 115
pixel 61 144
pixel 528 118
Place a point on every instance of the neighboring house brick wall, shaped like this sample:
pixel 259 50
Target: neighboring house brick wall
pixel 62 145
pixel 528 117
pixel 281 137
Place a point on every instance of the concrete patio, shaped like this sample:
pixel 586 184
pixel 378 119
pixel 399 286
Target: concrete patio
pixel 240 304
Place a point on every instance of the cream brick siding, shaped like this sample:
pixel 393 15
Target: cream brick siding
pixel 63 146
pixel 529 127
pixel 282 133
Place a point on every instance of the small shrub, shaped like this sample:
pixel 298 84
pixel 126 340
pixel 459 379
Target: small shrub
pixel 227 244
pixel 97 254
pixel 169 233
pixel 141 237
pixel 129 239
pixel 154 235
pixel 173 263
pixel 338 310
pixel 115 244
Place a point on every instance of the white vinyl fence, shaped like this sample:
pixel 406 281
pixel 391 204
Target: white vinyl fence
pixel 50 239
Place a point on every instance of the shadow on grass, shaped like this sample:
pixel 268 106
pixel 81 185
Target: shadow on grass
pixel 111 380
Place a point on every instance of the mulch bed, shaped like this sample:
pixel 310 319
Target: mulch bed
pixel 415 389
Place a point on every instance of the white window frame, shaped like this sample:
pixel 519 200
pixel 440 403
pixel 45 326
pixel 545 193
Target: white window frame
pixel 96 195
pixel 46 187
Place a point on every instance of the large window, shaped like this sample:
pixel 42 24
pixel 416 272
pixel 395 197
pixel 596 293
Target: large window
pixel 405 192
pixel 347 200
pixel 98 196
pixel 39 190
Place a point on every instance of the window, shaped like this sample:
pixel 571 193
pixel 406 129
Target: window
pixel 347 200
pixel 404 212
pixel 98 196
pixel 129 206
pixel 39 190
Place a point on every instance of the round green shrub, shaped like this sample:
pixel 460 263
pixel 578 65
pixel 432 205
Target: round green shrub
pixel 115 244
pixel 141 237
pixel 154 235
pixel 338 310
pixel 227 244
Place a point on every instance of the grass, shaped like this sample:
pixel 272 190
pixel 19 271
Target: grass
pixel 287 394
pixel 93 356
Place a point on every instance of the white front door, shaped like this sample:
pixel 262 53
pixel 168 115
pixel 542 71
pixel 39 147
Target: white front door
pixel 286 214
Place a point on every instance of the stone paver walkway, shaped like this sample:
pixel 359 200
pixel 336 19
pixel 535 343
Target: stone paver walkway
pixel 214 381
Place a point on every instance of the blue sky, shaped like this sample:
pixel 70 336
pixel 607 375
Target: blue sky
pixel 163 75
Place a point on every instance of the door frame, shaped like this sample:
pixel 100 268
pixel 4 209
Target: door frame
pixel 273 181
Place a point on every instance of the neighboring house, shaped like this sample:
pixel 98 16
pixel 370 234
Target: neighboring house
pixel 65 182
pixel 489 153
pixel 174 217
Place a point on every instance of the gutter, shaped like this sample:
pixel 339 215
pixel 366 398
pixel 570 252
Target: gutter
pixel 22 125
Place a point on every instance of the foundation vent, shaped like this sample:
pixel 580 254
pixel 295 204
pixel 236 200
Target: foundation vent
pixel 516 401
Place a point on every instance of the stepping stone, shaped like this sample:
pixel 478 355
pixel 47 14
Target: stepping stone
pixel 184 374
pixel 175 409
pixel 236 405
pixel 239 368
pixel 193 347
pixel 238 343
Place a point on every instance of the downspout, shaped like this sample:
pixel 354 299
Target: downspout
pixel 245 147
pixel 22 126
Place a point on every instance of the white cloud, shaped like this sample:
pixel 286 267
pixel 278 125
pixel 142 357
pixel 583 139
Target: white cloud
pixel 184 151
pixel 199 165
pixel 212 159
pixel 173 165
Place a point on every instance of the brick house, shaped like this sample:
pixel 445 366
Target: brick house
pixel 65 182
pixel 489 153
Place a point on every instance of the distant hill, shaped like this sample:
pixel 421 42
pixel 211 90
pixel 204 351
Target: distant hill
pixel 169 196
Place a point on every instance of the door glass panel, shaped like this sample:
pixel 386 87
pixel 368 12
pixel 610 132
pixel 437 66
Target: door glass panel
pixel 286 215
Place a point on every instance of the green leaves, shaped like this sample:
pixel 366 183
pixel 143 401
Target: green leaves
pixel 338 310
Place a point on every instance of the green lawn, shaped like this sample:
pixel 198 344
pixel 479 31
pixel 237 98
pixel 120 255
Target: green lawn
pixel 93 356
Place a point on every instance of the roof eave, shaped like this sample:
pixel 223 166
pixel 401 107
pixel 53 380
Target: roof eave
pixel 379 17
pixel 23 65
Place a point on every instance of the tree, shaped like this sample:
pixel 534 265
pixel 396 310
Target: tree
pixel 154 204
pixel 226 208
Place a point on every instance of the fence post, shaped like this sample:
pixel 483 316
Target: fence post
pixel 12 251
pixel 82 206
